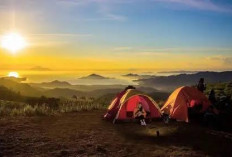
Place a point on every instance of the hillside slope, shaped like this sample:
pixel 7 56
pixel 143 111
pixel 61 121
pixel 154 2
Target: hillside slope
pixel 169 83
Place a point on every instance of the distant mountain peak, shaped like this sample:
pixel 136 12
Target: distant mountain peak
pixel 57 83
pixel 131 75
pixel 39 68
pixel 94 76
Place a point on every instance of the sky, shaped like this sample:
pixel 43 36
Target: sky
pixel 143 35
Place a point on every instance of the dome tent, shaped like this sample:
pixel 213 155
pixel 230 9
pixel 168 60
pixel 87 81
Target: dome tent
pixel 183 98
pixel 123 105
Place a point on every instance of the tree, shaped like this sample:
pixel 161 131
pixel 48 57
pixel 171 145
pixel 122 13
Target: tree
pixel 74 97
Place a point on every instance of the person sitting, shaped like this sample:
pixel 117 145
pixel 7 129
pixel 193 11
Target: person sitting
pixel 140 114
pixel 165 118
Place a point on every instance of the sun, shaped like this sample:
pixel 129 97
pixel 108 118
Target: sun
pixel 13 42
pixel 13 74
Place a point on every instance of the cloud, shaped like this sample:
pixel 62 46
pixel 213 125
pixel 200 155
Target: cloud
pixel 54 39
pixel 150 53
pixel 115 17
pixel 103 7
pixel 207 5
pixel 225 60
pixel 108 17
pixel 140 51
pixel 83 2
pixel 123 48
pixel 174 49
pixel 63 35
pixel 39 68
pixel 3 3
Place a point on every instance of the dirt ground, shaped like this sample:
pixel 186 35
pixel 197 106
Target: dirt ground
pixel 86 134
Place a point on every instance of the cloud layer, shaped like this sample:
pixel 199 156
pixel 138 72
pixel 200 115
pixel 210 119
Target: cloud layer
pixel 207 5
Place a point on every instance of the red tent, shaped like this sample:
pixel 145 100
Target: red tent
pixel 123 105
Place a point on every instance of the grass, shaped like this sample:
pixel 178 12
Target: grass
pixel 10 108
pixel 74 106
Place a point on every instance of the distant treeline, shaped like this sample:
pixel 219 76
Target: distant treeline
pixel 14 104
pixel 9 95
pixel 221 89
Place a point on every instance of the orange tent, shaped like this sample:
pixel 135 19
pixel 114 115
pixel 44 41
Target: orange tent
pixel 181 99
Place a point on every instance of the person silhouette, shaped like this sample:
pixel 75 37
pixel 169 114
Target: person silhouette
pixel 201 86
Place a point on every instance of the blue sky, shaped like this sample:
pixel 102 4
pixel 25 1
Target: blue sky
pixel 142 22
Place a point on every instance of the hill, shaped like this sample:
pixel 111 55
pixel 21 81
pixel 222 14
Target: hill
pixel 168 83
pixel 83 88
pixel 137 76
pixel 177 72
pixel 94 76
pixel 98 92
pixel 64 89
pixel 52 84
pixel 22 88
pixel 63 92
pixel 57 83
pixel 95 79
pixel 7 94
pixel 131 75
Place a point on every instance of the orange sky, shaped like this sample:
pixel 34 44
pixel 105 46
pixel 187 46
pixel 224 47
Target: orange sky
pixel 53 57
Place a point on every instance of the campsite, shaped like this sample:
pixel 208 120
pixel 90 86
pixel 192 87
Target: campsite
pixel 115 78
pixel 98 131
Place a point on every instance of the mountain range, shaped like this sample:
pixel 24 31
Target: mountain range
pixel 63 89
pixel 131 75
pixel 168 83
pixel 137 76
pixel 153 85
pixel 95 79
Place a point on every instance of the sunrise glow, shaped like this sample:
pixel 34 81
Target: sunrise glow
pixel 13 74
pixel 13 42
